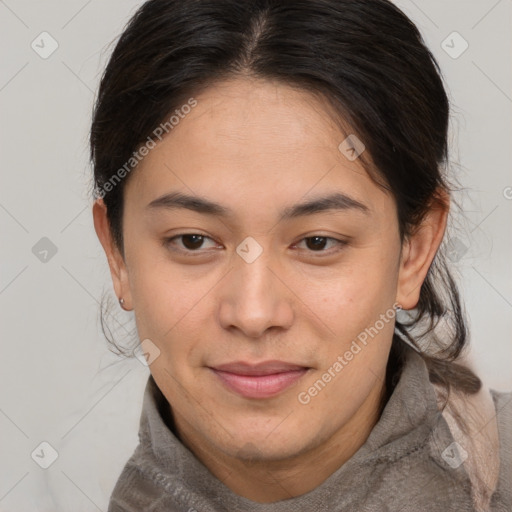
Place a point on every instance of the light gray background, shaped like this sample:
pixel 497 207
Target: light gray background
pixel 59 382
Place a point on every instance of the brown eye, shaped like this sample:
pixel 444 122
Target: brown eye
pixel 316 242
pixel 190 242
pixel 319 243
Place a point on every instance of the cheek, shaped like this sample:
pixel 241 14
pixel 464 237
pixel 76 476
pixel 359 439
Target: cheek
pixel 353 296
pixel 172 320
pixel 175 307
pixel 162 292
pixel 363 320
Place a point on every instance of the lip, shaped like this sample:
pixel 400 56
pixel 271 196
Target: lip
pixel 262 380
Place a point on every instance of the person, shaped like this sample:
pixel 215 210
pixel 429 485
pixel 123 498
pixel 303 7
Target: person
pixel 272 192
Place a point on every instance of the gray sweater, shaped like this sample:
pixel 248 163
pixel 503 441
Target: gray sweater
pixel 409 463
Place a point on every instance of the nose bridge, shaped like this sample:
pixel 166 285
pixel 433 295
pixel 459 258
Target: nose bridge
pixel 256 300
pixel 256 276
pixel 253 273
pixel 252 260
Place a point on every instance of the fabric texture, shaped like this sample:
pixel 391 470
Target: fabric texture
pixel 415 459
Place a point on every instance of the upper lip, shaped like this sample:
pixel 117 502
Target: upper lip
pixel 263 368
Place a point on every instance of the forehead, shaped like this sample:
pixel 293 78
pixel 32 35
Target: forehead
pixel 253 139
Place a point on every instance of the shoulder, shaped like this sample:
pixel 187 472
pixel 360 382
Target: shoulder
pixel 144 484
pixel 138 486
pixel 503 407
pixel 502 499
pixel 480 423
pixel 503 412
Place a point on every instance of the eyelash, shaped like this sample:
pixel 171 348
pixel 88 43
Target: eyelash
pixel 168 241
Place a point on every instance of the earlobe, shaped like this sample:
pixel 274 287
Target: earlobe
pixel 419 250
pixel 115 260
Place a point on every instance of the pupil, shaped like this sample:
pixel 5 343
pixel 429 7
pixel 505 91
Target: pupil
pixel 199 238
pixel 316 245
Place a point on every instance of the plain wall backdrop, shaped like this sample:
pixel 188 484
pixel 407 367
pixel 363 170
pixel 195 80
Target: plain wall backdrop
pixel 60 384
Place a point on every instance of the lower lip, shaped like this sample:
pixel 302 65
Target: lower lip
pixel 259 386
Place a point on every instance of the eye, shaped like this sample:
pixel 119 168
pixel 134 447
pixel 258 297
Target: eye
pixel 194 242
pixel 317 243
pixel 190 242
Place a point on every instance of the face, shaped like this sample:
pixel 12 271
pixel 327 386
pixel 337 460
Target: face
pixel 252 302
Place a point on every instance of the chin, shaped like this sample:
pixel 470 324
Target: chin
pixel 264 446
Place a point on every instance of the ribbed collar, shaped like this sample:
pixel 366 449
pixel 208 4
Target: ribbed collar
pixel 406 425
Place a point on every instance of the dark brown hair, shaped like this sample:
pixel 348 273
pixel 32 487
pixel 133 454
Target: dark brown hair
pixel 365 57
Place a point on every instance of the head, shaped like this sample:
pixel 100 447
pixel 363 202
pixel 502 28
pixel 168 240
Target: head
pixel 281 196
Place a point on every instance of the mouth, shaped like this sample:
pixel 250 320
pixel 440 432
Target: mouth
pixel 263 380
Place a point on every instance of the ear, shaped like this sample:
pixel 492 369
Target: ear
pixel 419 249
pixel 116 262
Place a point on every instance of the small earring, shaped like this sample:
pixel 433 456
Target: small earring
pixel 121 303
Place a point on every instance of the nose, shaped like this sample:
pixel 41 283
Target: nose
pixel 255 297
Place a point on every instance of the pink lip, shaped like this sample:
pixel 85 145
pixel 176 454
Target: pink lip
pixel 262 380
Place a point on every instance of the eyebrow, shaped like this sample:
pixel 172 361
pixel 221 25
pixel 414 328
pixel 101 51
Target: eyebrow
pixel 335 201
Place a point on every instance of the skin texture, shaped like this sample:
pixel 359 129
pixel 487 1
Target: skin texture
pixel 257 147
